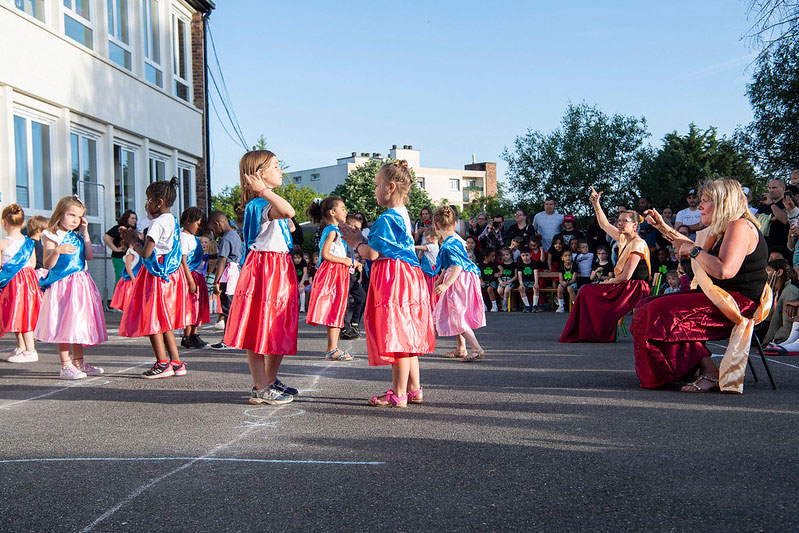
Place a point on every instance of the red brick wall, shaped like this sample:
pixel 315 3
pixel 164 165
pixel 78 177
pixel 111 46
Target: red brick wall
pixel 198 71
pixel 491 176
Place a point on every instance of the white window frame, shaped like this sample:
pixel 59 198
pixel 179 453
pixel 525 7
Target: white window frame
pixel 70 12
pixel 147 35
pixel 98 218
pixel 315 177
pixel 43 3
pixel 29 116
pixel 159 158
pixel 123 146
pixel 176 19
pixel 115 39
pixel 456 182
pixel 183 202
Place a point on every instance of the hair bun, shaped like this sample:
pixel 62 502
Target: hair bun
pixel 14 209
pixel 401 163
pixel 174 182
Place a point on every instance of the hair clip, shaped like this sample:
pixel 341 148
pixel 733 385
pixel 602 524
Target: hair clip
pixel 317 201
pixel 76 197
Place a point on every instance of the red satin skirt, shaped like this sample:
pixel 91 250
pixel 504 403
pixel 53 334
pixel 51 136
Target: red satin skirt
pixel 264 314
pixel 669 333
pixel 598 308
pixel 122 294
pixel 329 294
pixel 155 306
pixel 20 301
pixel 431 285
pixel 198 304
pixel 398 319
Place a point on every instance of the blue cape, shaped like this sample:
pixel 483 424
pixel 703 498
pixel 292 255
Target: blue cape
pixel 252 225
pixel 172 259
pixel 67 264
pixel 195 260
pixel 325 232
pixel 389 237
pixel 453 253
pixel 17 263
pixel 135 270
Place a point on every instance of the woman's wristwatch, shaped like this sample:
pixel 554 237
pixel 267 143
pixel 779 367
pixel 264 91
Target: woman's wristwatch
pixel 695 251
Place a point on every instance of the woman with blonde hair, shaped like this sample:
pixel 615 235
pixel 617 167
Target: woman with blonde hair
pixel 670 331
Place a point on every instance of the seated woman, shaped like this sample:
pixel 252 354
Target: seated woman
pixel 599 306
pixel 669 331
pixel 780 324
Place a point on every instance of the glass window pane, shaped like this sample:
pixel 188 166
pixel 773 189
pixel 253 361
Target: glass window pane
pixel 153 75
pixel 186 186
pixel 154 33
pixel 128 179
pixel 68 3
pixel 77 31
pixel 111 25
pixel 82 8
pixel 122 21
pixel 181 90
pixel 91 193
pixel 21 158
pixel 74 151
pixel 40 149
pixel 119 55
pixel 34 8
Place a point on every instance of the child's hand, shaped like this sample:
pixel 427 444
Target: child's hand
pixel 254 183
pixel 129 235
pixel 84 226
pixel 65 249
pixel 439 289
pixel 192 286
pixel 217 289
pixel 357 264
pixel 352 235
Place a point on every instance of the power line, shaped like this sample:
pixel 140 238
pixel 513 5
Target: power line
pixel 224 93
pixel 240 140
pixel 221 123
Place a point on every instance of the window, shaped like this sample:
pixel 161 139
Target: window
pixel 454 184
pixel 34 8
pixel 32 163
pixel 119 33
pixel 152 43
pixel 124 179
pixel 78 21
pixel 84 172
pixel 314 177
pixel 180 52
pixel 157 168
pixel 186 177
pixel 298 179
pixel 420 183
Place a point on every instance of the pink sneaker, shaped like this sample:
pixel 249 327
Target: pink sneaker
pixel 71 372
pixel 90 370
pixel 24 357
pixel 159 371
pixel 179 370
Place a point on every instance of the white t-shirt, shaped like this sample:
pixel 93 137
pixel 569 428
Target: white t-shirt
pixel 270 236
pixel 13 248
pixel 688 217
pixel 136 257
pixel 432 252
pixel 547 226
pixel 187 243
pixel 162 231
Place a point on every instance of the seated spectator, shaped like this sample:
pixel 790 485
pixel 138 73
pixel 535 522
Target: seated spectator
pixel 539 257
pixel 567 280
pixel 425 221
pixel 673 282
pixel 516 245
pixel 602 267
pixel 522 228
pixel 526 279
pixel 570 231
pixel 663 262
pixel 773 215
pixel 489 276
pixel 471 249
pixel 555 253
pixel 785 290
pixel 584 260
pixel 478 225
pixel 507 274
pixel 780 252
pixel 668 216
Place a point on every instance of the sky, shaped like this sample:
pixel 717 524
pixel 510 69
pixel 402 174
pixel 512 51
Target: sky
pixel 323 79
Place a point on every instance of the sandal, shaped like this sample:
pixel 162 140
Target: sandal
pixel 474 355
pixel 415 396
pixel 343 356
pixel 389 399
pixel 694 385
pixel 454 354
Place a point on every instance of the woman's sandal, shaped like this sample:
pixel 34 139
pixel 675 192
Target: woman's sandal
pixel 474 355
pixel 415 396
pixel 694 385
pixel 389 399
pixel 342 356
pixel 454 354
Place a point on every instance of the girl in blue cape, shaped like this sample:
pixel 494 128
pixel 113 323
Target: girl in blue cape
pixel 158 300
pixel 72 311
pixel 399 325
pixel 132 265
pixel 20 296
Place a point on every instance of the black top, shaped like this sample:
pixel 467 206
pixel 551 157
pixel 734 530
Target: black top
pixel 514 231
pixel 527 270
pixel 569 274
pixel 299 267
pixel 507 271
pixel 751 277
pixel 607 268
pixel 38 247
pixel 641 271
pixel 568 235
pixel 778 232
pixel 488 272
pixel 116 238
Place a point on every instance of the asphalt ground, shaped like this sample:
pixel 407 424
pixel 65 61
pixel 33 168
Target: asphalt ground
pixel 539 436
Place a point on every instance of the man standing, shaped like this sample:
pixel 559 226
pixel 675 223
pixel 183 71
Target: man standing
pixel 773 205
pixel 547 223
pixel 690 217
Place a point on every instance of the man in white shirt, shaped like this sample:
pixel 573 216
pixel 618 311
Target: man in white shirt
pixel 690 217
pixel 547 223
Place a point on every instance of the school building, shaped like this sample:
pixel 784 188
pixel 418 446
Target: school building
pixel 99 98
pixel 456 186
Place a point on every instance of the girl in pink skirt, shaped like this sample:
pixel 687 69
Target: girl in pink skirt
pixel 20 296
pixel 72 312
pixel 264 315
pixel 331 287
pixel 399 325
pixel 460 309
pixel 158 300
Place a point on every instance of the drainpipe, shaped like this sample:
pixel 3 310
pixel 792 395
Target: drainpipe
pixel 207 154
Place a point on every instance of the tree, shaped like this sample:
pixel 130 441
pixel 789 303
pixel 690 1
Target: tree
pixel 776 22
pixel 773 135
pixel 358 191
pixel 685 161
pixel 300 198
pixel 589 149
pixel 498 204
pixel 227 201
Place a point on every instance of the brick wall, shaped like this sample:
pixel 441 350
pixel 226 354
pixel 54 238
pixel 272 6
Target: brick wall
pixel 491 176
pixel 198 71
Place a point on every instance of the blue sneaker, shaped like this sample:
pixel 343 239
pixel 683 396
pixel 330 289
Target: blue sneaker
pixel 279 385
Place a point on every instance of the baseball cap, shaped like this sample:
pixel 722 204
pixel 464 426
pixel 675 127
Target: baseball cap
pixel 568 218
pixel 692 192
pixel 745 190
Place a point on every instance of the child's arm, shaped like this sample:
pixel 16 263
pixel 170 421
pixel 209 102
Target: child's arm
pixel 280 207
pixel 189 278
pixel 304 275
pixel 220 267
pixel 519 278
pixel 454 273
pixel 83 230
pixel 327 256
pixel 128 261
pixel 421 248
pixel 52 251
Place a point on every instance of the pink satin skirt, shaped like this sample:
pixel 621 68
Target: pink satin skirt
pixel 20 301
pixel 264 314
pixel 155 306
pixel 598 308
pixel 72 312
pixel 122 294
pixel 329 294
pixel 398 319
pixel 431 285
pixel 461 307
pixel 198 304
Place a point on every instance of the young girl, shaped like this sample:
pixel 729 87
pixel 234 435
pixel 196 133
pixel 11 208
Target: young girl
pixel 399 325
pixel 555 253
pixel 158 299
pixel 20 296
pixel 132 265
pixel 331 287
pixel 567 280
pixel 198 304
pixel 471 249
pixel 459 310
pixel 602 268
pixel 72 312
pixel 507 275
pixel 428 255
pixel 264 312
pixel 301 269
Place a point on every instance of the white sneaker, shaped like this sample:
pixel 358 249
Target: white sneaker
pixel 220 325
pixel 24 357
pixel 71 372
pixel 8 355
pixel 560 309
pixel 90 370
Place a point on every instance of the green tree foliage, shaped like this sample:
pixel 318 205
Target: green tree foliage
pixel 498 204
pixel 227 201
pixel 358 191
pixel 589 148
pixel 775 22
pixel 300 198
pixel 685 161
pixel 773 135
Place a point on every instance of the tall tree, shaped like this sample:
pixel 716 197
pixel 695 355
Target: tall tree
pixel 358 191
pixel 589 148
pixel 775 22
pixel 685 161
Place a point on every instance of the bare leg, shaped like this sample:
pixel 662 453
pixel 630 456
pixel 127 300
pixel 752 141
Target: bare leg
pixel 157 342
pixel 20 340
pixel 332 338
pixel 400 372
pixel 171 347
pixel 272 363
pixel 30 344
pixel 63 353
pixel 187 331
pixel 77 354
pixel 492 293
pixel 472 339
pixel 414 379
pixel 461 343
pixel 257 369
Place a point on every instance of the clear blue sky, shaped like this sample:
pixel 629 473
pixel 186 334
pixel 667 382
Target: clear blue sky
pixel 323 79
